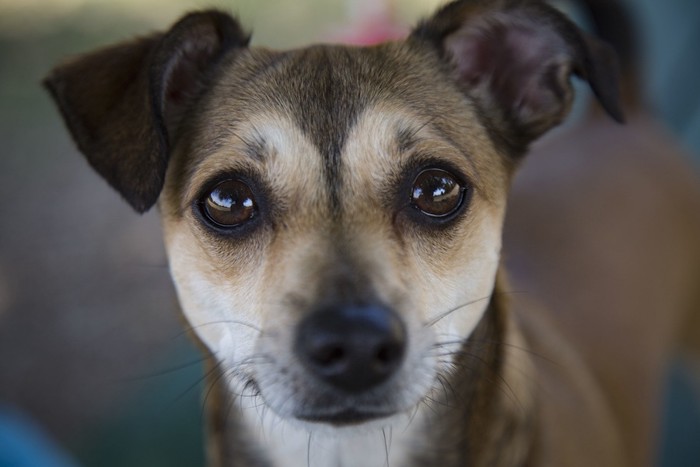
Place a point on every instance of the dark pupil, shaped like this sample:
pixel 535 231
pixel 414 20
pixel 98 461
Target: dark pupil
pixel 230 203
pixel 436 193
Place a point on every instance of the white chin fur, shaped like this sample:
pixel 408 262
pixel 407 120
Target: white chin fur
pixel 293 443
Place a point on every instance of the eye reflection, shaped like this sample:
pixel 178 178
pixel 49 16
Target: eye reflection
pixel 437 193
pixel 229 204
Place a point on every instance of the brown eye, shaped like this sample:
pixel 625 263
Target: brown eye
pixel 229 204
pixel 437 193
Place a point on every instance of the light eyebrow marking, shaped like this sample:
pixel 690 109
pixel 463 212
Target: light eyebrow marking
pixel 255 145
pixel 407 139
pixel 406 135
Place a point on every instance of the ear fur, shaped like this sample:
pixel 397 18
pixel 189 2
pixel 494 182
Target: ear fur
pixel 516 57
pixel 122 104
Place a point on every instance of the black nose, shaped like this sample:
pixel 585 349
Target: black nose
pixel 353 348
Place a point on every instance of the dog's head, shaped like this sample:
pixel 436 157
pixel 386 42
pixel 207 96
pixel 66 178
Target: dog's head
pixel 331 214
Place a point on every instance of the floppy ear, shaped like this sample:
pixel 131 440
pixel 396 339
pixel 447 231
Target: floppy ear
pixel 516 57
pixel 123 104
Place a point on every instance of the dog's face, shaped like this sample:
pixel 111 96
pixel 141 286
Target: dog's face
pixel 349 190
pixel 332 215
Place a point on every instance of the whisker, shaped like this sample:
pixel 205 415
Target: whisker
pixel 308 450
pixel 425 401
pixel 195 384
pixel 212 384
pixel 386 447
pixel 213 323
pixel 236 370
pixel 461 341
pixel 492 376
pixel 443 315
pixel 411 417
pixel 412 132
pixel 457 341
pixel 521 349
pixel 165 371
pixel 440 379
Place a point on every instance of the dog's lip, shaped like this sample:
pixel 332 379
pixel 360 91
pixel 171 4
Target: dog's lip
pixel 345 417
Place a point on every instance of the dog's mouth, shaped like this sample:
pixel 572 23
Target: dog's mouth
pixel 345 417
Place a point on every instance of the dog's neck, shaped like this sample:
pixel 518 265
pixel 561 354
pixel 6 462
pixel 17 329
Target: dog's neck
pixel 482 416
pixel 486 415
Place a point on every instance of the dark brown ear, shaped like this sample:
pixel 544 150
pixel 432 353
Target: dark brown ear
pixel 122 104
pixel 516 57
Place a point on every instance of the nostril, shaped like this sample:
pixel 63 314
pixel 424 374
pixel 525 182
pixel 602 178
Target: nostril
pixel 328 355
pixel 387 354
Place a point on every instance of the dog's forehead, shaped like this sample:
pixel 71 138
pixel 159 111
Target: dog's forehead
pixel 324 88
pixel 323 94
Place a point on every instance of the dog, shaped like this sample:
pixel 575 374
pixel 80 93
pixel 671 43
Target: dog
pixel 333 217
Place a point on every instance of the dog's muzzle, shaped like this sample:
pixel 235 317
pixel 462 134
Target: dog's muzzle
pixel 352 348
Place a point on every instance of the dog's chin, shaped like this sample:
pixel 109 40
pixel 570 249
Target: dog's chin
pixel 318 407
pixel 319 411
pixel 345 417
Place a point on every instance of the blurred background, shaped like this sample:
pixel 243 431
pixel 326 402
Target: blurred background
pixel 91 346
